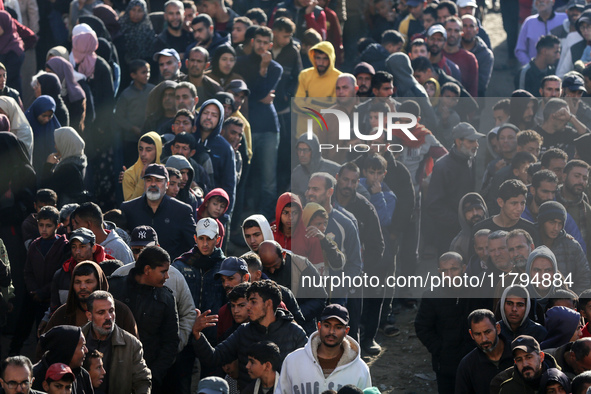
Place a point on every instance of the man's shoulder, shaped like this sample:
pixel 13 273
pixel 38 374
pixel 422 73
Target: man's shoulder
pixel 132 203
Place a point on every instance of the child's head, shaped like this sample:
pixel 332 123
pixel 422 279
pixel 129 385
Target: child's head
pixel 183 122
pixel 377 111
pixel 183 144
pixel 47 221
pixel 501 111
pixel 239 27
pixel 431 88
pixel 45 197
pixel 174 181
pixel 239 302
pixel 393 41
pixel 450 94
pixel 319 220
pixel 375 168
pixel 140 71
pixel 231 369
pixel 58 379
pixel 263 358
pixel 215 206
pixel 290 215
pixel 418 48
pixel 95 367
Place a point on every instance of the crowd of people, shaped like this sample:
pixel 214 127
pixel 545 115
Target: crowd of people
pixel 190 191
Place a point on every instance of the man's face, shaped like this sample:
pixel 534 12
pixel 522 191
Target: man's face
pixel 454 33
pixel 345 90
pixel 281 38
pixel 442 14
pixel 485 334
pixel 201 34
pixel 466 11
pixel 254 368
pixel 271 261
pixel 500 116
pixel 58 387
pixel 418 51
pixel 79 353
pixel 179 148
pixel 555 388
pixel 417 11
pixel 229 282
pixel 254 237
pixel 257 309
pixel 577 180
pixel 364 83
pixel 322 62
pixel 317 191
pixel 519 250
pixel 184 177
pixel 18 376
pixel 499 254
pixel 103 316
pixel 481 247
pixel 468 147
pixel 552 228
pixel 428 21
pixel 97 371
pixel 233 134
pixel 515 310
pixel 573 15
pixel 546 192
pixel 544 5
pixel 557 167
pixel 551 89
pixel 532 147
pixel 423 76
pixel 81 252
pixel 261 44
pixel 513 207
pixel 155 188
pixel 206 245
pixel 332 332
pixel 169 67
pixel 173 186
pixel 168 101
pixel 451 268
pixel 507 140
pixel 83 286
pixel 347 183
pixel 210 117
pixel 474 215
pixel 196 64
pixel 529 365
pixel 436 43
pixel 184 99
pixel 238 31
pixel 156 277
pixel 239 98
pixel 385 90
pixel 539 267
pixel 551 55
pixel 173 15
pixel 147 153
pixel 239 309
pixel 521 173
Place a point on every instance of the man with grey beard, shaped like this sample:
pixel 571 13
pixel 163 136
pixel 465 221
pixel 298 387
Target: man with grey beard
pixel 520 245
pixel 117 346
pixel 173 220
pixel 491 356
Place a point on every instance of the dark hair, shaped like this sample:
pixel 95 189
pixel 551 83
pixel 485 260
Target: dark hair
pixel 543 176
pixel 148 140
pixel 250 223
pixel 263 31
pixel 451 7
pixel 421 64
pixel 453 18
pixel 512 188
pixel 233 120
pixel 379 106
pixel 284 24
pixel 549 78
pixel 151 256
pixel 266 352
pixel 244 20
pixel 88 360
pixel 503 105
pixel 282 12
pixel 185 138
pixel 16 361
pixel 551 154
pixel 548 41
pixel 349 166
pixel 452 87
pixel 98 295
pixel 46 196
pixel 136 65
pixel 411 107
pixel 187 85
pixel 479 315
pixel 380 78
pixel 524 137
pixel 67 211
pixel 117 217
pixel 249 34
pixel 552 106
pixel 311 37
pixel 520 232
pixel 253 261
pixel 579 383
pixel 173 172
pixel 257 14
pixel 85 270
pixel 431 9
pixel 201 50
pixel 520 158
pixel 329 180
pixel 581 348
pixel 184 112
pixel 562 294
pixel 91 212
pixel 417 42
pixel 392 37
pixel 375 161
pixel 218 199
pixel 49 212
pixel 239 291
pixel 575 163
pixel 202 18
pixel 267 290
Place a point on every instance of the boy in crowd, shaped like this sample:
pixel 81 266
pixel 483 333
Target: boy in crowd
pixel 174 180
pixel 58 379
pixel 382 198
pixel 264 360
pixel 93 363
pixel 29 227
pixel 215 206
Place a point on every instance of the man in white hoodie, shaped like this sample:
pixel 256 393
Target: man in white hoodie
pixel 256 229
pixel 330 359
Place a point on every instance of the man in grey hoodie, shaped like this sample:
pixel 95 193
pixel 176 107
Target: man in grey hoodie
pixel 541 261
pixel 471 210
pixel 515 307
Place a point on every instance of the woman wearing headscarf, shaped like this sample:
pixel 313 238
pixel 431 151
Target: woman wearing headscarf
pixel 59 51
pixel 137 31
pixel 43 122
pixel 12 51
pixel 222 66
pixel 48 84
pixel 109 18
pixel 65 169
pixel 19 125
pixel 79 101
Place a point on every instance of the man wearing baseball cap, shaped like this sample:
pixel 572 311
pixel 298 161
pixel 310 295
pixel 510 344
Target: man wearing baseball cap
pixel 453 177
pixel 200 266
pixel 436 39
pixel 169 65
pixel 173 220
pixel 213 385
pixel 316 363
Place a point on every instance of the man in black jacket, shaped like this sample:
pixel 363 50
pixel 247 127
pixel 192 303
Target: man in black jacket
pixel 154 308
pixel 16 373
pixel 266 323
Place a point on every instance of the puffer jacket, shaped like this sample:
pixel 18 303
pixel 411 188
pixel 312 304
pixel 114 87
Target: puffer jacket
pixel 283 331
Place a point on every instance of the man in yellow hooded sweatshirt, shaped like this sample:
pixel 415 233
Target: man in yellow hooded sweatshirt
pixel 149 150
pixel 320 80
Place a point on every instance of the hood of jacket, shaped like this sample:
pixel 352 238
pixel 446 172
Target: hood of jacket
pixel 554 375
pixel 540 251
pixel 350 355
pixel 154 104
pixel 59 344
pixel 282 201
pixel 398 64
pixel 264 226
pixel 561 323
pixel 461 217
pixel 218 128
pixel 516 290
pixel 376 55
pixel 180 163
pixel 325 47
pixel 314 144
pixel 309 210
pixel 218 191
pixel 72 304
pixel 155 137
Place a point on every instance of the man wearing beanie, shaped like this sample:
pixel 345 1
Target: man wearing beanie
pixel 570 257
pixel 363 73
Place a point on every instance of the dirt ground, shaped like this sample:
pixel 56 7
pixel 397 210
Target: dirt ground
pixel 404 365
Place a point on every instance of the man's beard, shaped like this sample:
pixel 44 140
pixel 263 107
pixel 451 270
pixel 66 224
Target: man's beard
pixel 153 196
pixel 475 219
pixel 103 331
pixel 520 263
pixel 490 349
